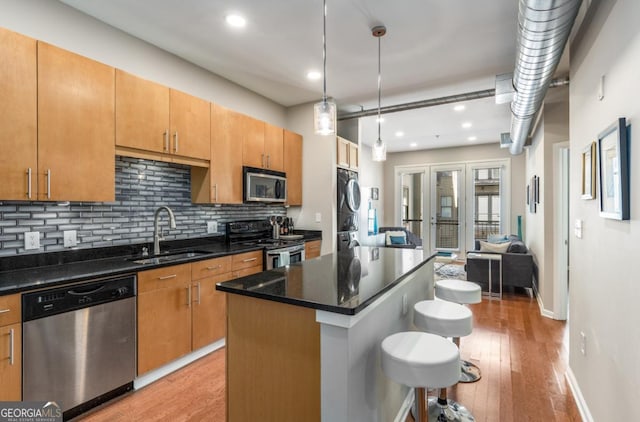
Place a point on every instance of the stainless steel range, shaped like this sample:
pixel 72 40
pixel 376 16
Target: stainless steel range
pixel 277 252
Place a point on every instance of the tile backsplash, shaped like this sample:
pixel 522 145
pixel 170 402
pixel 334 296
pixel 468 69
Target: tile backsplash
pixel 141 187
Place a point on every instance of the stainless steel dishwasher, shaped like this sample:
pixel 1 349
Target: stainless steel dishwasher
pixel 79 346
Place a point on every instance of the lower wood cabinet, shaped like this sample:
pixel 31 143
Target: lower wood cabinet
pixel 209 311
pixel 312 249
pixel 10 348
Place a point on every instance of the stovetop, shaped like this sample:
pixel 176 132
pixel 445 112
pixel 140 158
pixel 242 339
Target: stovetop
pixel 256 232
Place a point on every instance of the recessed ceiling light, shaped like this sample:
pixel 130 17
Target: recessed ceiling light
pixel 466 125
pixel 472 138
pixel 399 134
pixel 380 120
pixel 314 75
pixel 459 107
pixel 413 144
pixel 236 21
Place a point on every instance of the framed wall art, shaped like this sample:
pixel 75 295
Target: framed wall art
pixel 613 171
pixel 589 171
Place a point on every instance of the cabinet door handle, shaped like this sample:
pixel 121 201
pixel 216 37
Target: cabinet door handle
pixel 29 183
pixel 11 346
pixel 268 161
pixel 211 268
pixel 189 296
pixel 167 277
pixel 48 183
pixel 175 141
pixel 249 259
pixel 4 311
pixel 166 140
pixel 263 164
pixel 198 300
pixel 215 198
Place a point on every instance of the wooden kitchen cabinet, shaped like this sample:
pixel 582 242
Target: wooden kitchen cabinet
pixel 293 167
pixel 76 108
pixel 221 183
pixel 10 348
pixel 312 249
pixel 159 123
pixel 347 154
pixel 262 145
pixel 164 316
pixel 209 311
pixel 18 116
pixel 247 263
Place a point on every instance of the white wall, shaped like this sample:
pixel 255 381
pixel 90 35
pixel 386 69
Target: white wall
pixel 370 175
pixel 457 155
pixel 319 178
pixel 65 27
pixel 604 290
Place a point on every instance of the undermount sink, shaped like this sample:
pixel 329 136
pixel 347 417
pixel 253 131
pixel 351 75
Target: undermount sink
pixel 168 257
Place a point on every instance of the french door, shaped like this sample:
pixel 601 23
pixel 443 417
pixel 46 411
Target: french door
pixel 447 215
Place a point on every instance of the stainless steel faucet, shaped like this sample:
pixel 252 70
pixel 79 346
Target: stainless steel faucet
pixel 156 235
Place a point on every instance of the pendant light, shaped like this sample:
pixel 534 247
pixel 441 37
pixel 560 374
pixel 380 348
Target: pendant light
pixel 379 151
pixel 324 112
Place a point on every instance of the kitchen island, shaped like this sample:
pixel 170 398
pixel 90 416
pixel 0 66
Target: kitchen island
pixel 303 341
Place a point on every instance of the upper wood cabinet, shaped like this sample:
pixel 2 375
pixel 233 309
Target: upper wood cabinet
pixel 293 167
pixel 348 154
pixel 18 116
pixel 76 108
pixel 152 118
pixel 221 183
pixel 262 145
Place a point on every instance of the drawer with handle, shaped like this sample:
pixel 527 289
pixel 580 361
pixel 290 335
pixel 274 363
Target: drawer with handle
pixel 246 260
pixel 210 267
pixel 161 278
pixel 10 309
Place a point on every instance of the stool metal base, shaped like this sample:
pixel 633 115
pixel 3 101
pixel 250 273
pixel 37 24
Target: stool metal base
pixel 449 411
pixel 469 372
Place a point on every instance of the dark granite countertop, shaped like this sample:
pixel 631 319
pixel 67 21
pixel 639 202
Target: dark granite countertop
pixel 344 282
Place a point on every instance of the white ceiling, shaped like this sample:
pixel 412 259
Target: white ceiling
pixel 432 48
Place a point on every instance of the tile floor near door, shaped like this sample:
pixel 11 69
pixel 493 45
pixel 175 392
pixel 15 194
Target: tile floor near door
pixel 523 357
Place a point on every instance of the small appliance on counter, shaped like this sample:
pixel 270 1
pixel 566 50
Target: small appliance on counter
pixel 277 252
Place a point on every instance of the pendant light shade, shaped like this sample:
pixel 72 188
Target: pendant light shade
pixel 379 151
pixel 324 112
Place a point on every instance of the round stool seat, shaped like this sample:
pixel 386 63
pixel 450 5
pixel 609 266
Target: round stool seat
pixel 443 318
pixel 458 291
pixel 417 359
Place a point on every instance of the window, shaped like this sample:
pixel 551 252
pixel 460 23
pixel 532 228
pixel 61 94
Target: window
pixel 446 206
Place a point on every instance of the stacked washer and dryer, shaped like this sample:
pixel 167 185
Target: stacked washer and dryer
pixel 348 209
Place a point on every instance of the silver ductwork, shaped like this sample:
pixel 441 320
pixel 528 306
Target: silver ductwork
pixel 543 29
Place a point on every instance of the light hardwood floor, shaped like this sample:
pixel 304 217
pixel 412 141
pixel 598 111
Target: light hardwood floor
pixel 523 357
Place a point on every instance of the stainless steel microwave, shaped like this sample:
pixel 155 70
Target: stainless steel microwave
pixel 264 185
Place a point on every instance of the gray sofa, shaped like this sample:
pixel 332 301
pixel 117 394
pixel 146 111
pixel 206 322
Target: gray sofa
pixel 517 267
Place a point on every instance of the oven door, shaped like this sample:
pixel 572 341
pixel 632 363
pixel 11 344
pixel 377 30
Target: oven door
pixel 277 258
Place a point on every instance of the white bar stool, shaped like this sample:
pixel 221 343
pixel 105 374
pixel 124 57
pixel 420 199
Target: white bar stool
pixel 462 292
pixel 446 319
pixel 420 360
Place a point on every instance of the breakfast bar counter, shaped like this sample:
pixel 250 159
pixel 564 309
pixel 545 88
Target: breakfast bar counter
pixel 303 340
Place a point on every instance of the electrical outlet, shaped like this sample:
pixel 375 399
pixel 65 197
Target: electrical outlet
pixel 583 343
pixel 212 227
pixel 318 217
pixel 70 238
pixel 31 240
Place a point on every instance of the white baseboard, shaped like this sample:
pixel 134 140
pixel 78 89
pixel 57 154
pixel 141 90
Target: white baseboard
pixel 585 414
pixel 163 371
pixel 406 407
pixel 544 312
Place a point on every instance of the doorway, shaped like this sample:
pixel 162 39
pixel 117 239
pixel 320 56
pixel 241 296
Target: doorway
pixel 561 231
pixel 447 214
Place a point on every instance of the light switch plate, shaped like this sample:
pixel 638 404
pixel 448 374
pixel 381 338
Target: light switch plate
pixel 70 238
pixel 577 229
pixel 31 240
pixel 318 217
pixel 212 227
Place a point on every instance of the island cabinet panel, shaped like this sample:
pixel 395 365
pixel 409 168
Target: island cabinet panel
pixel 164 316
pixel 10 348
pixel 18 116
pixel 209 311
pixel 76 108
pixel 312 249
pixel 221 183
pixel 273 357
pixel 293 167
